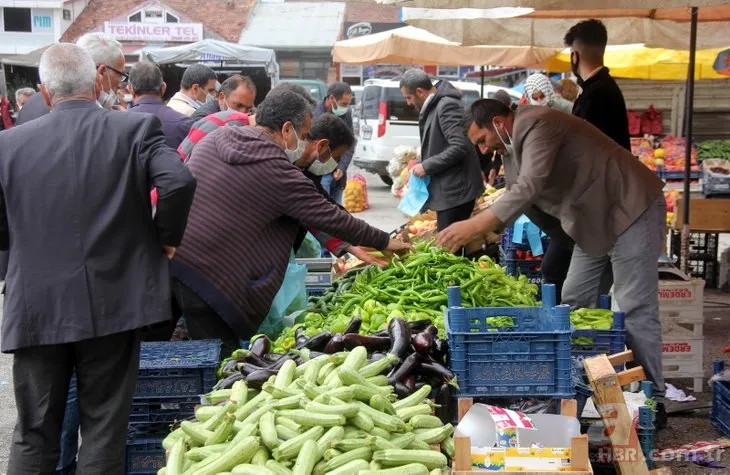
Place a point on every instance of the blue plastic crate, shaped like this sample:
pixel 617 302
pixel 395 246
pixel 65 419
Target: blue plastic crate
pixel 530 359
pixel 157 411
pixel 647 444
pixel 532 269
pixel 177 368
pixel 508 246
pixel 665 175
pixel 607 342
pixel 720 416
pixel 144 456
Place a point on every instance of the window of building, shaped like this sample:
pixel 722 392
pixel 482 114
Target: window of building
pixel 137 17
pixel 170 18
pixel 67 14
pixel 17 20
pixel 449 71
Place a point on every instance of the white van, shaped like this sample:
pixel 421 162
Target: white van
pixel 385 121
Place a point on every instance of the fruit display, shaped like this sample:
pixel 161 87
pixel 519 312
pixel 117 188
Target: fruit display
pixel 413 288
pixel 488 198
pixel 355 197
pixel 714 149
pixel 326 414
pixel 670 197
pixel 669 156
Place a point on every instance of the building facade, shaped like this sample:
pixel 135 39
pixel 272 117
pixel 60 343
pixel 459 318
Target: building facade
pixel 27 25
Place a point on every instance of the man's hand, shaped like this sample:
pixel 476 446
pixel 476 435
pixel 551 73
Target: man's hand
pixel 338 174
pixel 397 247
pixel 169 251
pixel 366 257
pixel 419 171
pixel 457 235
pixel 492 176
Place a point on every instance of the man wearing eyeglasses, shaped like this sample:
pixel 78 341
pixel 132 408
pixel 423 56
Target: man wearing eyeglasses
pixel 109 59
pixel 237 93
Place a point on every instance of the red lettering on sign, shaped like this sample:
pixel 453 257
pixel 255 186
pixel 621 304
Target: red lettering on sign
pixel 676 348
pixel 685 293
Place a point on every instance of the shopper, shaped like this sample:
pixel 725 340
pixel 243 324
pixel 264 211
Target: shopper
pixel 22 95
pixel 88 265
pixel 610 204
pixel 237 93
pixel 147 88
pixel 337 102
pixel 245 217
pixel 601 103
pixel 198 85
pixel 539 91
pixel 446 155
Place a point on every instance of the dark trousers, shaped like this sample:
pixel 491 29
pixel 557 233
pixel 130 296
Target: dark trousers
pixel 555 264
pixel 447 217
pixel 202 321
pixel 106 374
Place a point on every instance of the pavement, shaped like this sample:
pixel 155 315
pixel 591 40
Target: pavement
pixel 689 426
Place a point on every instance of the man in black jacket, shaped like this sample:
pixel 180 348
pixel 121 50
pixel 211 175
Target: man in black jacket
pixel 446 154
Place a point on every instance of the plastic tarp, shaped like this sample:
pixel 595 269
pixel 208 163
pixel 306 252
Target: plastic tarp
pixel 411 45
pixel 637 62
pixel 28 60
pixel 215 51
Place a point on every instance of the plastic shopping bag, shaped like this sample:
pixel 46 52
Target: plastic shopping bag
pixel 292 297
pixel 525 228
pixel 416 195
pixel 310 248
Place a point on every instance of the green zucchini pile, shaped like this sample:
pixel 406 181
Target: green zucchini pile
pixel 331 415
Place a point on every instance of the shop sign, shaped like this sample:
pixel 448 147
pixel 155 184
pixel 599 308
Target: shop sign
pixel 42 20
pixel 350 70
pixel 148 32
pixel 359 29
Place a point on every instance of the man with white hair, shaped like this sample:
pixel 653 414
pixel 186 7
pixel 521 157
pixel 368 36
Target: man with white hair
pixel 88 263
pixel 22 95
pixel 106 52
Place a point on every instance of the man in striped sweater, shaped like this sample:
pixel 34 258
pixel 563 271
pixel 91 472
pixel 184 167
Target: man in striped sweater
pixel 244 220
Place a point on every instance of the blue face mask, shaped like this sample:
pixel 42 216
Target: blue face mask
pixel 338 110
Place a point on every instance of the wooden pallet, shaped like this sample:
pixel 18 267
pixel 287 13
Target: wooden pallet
pixel 608 398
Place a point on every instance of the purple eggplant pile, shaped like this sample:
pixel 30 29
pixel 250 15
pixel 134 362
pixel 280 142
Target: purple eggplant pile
pixel 417 356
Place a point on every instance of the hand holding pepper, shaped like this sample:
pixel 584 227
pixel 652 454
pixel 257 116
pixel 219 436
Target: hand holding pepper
pixel 397 247
pixel 363 254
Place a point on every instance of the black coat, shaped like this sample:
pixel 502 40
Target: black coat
pixel 86 255
pixel 602 104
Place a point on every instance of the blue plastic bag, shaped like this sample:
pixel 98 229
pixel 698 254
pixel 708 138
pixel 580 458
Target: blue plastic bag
pixel 416 195
pixel 291 298
pixel 310 248
pixel 524 227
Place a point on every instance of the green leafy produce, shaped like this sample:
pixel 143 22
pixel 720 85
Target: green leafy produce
pixel 714 149
pixel 412 288
pixel 590 319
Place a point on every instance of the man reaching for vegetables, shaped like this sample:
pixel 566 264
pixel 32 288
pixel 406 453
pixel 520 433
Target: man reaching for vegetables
pixel 610 204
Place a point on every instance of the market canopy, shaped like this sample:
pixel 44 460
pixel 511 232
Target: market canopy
pixel 411 45
pixel 214 50
pixel 638 62
pixel 28 60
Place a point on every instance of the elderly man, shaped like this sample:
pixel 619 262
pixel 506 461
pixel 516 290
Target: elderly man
pixel 337 102
pixel 605 200
pixel 77 305
pixel 22 95
pixel 446 155
pixel 233 258
pixel 147 88
pixel 109 60
pixel 197 86
pixel 237 93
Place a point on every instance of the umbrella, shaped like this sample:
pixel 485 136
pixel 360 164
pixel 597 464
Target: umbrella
pixel 411 45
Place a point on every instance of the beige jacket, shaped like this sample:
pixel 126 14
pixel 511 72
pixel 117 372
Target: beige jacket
pixel 182 104
pixel 572 171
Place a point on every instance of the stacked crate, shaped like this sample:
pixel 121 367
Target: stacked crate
pixel 702 259
pixel 517 257
pixel 172 376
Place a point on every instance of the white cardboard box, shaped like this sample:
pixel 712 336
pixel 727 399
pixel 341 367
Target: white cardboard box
pixel 682 355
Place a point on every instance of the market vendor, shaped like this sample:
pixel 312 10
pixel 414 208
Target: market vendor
pixel 245 217
pixel 608 202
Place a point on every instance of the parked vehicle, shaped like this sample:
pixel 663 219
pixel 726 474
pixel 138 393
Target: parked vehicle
pixel 385 121
pixel 316 88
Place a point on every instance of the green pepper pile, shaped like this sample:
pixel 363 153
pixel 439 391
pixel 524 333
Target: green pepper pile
pixel 413 288
pixel 714 149
pixel 590 319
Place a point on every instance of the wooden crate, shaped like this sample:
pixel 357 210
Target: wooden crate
pixel 705 215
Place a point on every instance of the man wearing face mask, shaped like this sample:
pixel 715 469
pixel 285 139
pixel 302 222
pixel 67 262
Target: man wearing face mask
pixel 601 103
pixel 198 84
pixel 147 88
pixel 539 91
pixel 245 219
pixel 446 155
pixel 237 92
pixel 337 102
pixel 109 59
pixel 610 204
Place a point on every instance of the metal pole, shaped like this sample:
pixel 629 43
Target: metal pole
pixel 689 112
pixel 481 93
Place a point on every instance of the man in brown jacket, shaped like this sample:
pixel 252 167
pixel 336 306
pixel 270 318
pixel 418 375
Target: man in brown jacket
pixel 245 218
pixel 610 204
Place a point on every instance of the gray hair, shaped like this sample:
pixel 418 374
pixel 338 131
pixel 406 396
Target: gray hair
pixel 280 107
pixel 146 78
pixel 415 79
pixel 67 70
pixel 23 91
pixel 103 49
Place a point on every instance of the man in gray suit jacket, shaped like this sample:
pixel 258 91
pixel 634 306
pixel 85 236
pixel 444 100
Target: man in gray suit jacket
pixel 88 263
pixel 607 201
pixel 446 154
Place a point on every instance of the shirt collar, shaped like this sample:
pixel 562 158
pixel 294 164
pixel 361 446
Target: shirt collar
pixel 593 73
pixel 191 102
pixel 147 100
pixel 428 99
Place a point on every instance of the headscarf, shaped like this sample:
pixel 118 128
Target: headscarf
pixel 539 82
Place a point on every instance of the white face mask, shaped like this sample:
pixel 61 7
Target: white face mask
pixel 107 99
pixel 540 102
pixel 338 110
pixel 320 169
pixel 508 147
pixel 128 98
pixel 296 153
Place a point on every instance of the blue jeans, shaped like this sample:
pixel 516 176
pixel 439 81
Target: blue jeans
pixel 333 187
pixel 69 433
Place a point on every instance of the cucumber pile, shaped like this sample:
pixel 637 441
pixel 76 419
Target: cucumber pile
pixel 331 415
